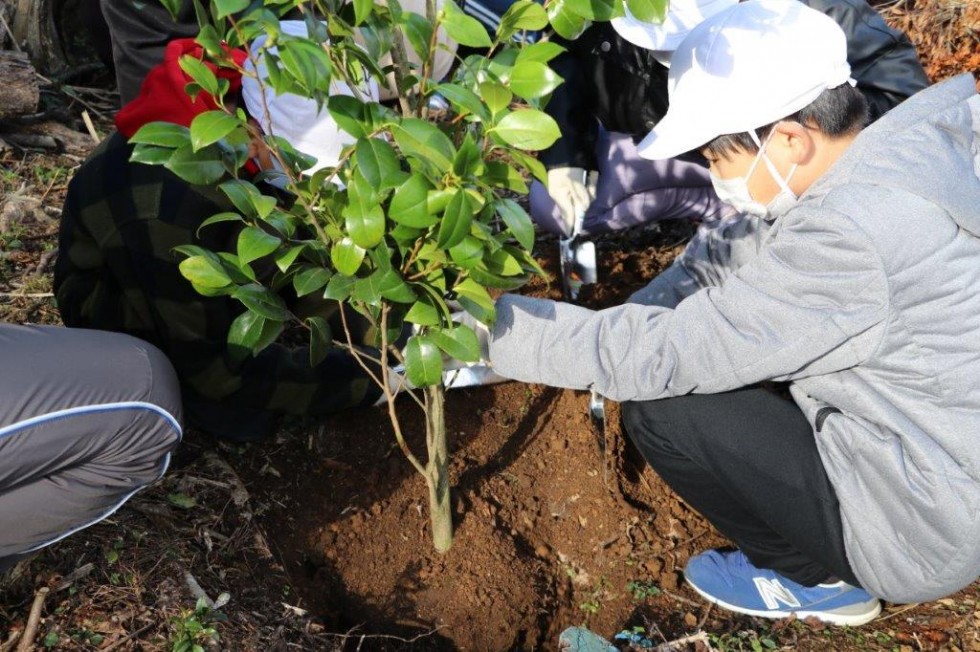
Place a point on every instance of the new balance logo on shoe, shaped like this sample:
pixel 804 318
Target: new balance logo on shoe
pixel 773 592
pixel 730 580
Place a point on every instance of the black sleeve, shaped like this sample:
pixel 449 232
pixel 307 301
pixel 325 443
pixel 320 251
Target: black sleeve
pixel 571 107
pixel 883 60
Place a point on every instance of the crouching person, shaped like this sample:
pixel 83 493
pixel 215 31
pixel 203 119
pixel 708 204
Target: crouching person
pixel 118 270
pixel 87 419
pixel 864 297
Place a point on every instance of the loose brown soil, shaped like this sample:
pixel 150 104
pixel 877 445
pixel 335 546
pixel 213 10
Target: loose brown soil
pixel 558 522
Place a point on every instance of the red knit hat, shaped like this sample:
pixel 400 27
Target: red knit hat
pixel 162 95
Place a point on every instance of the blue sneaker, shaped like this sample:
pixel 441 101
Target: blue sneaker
pixel 729 580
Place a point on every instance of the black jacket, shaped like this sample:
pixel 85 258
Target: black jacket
pixel 624 87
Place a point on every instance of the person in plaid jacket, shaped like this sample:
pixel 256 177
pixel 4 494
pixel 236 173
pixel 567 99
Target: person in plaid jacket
pixel 117 271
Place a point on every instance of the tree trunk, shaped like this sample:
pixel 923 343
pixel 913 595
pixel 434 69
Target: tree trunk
pixel 35 29
pixel 20 90
pixel 437 469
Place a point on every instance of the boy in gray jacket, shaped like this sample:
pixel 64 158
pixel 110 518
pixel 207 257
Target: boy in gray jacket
pixel 864 297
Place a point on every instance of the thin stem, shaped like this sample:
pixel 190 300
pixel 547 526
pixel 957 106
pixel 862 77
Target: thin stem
pixel 390 395
pixel 399 57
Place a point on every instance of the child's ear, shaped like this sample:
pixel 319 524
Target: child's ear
pixel 797 140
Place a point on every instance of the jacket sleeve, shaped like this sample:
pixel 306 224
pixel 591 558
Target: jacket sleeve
pixel 811 303
pixel 119 272
pixel 715 251
pixel 883 60
pixel 571 108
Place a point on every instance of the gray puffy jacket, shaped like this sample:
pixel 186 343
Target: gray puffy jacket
pixel 865 296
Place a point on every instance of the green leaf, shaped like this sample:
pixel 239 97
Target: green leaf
pixel 503 263
pixel 339 288
pixel 239 272
pixel 533 165
pixel 254 243
pixel 201 168
pixel 492 279
pixel 468 253
pixel 349 114
pixel 358 118
pixel 469 159
pixel 225 8
pixel 438 199
pixel 423 362
pixel 393 287
pixel 460 342
pixel 364 217
pixel 172 6
pixel 286 257
pixel 532 79
pixel 210 127
pixel 543 52
pixel 464 100
pixel 367 290
pixel 409 205
pixel 220 217
pixel 310 280
pixel 425 141
pixel 321 338
pixel 164 134
pixel 475 300
pixel 464 29
pixel 151 154
pixel 177 500
pixel 517 220
pixel 651 11
pixel 423 312
pixel 528 129
pixel 248 199
pixel 210 40
pixel 262 301
pixel 601 10
pixel 362 9
pixel 250 333
pixel 522 15
pixel 501 175
pixel 307 62
pixel 378 162
pixel 346 256
pixel 565 21
pixel 496 96
pixel 418 31
pixel 200 73
pixel 456 221
pixel 204 271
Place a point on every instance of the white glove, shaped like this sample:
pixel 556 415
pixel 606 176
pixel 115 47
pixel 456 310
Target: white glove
pixel 569 188
pixel 456 373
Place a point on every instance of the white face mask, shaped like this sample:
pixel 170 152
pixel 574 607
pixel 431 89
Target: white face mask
pixel 735 191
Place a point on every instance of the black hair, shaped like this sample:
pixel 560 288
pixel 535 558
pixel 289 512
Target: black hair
pixel 837 112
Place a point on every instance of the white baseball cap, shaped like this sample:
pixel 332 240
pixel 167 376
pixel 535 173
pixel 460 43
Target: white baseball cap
pixel 663 38
pixel 745 67
pixel 306 127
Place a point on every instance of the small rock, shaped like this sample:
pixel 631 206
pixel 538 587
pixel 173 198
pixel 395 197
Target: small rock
pixel 542 551
pixel 690 620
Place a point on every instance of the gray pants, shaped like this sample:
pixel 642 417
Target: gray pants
pixel 87 419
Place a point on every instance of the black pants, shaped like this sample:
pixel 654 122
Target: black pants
pixel 140 30
pixel 748 462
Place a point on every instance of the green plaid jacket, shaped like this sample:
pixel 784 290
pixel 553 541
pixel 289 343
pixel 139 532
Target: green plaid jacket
pixel 117 271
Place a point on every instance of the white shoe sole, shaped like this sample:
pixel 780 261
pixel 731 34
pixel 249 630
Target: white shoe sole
pixel 842 619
